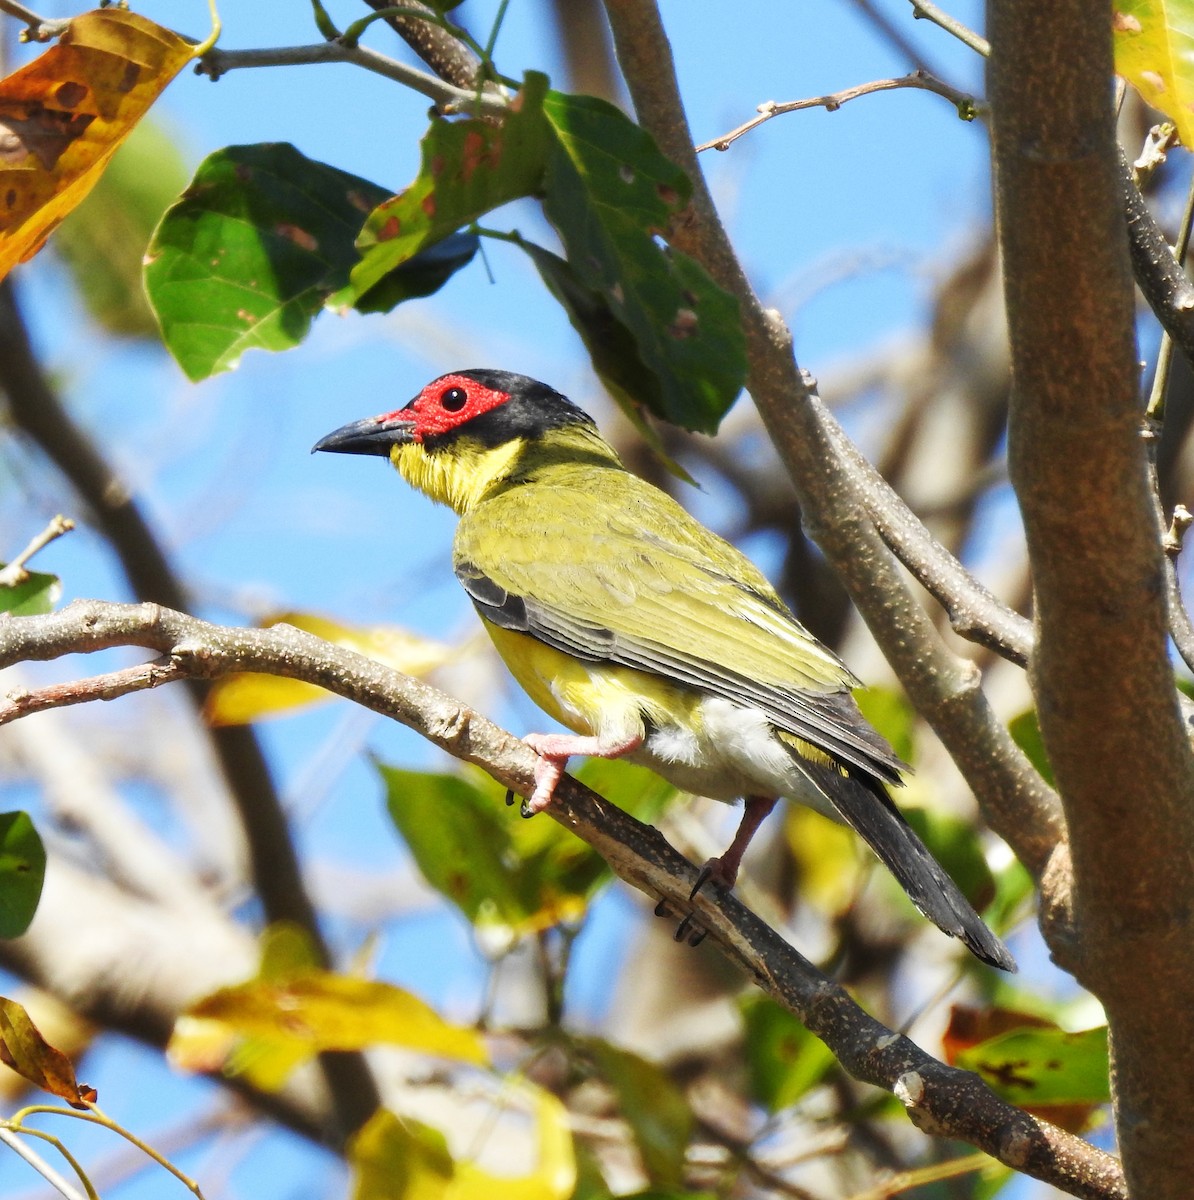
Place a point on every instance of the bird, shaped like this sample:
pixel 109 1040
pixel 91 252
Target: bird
pixel 644 633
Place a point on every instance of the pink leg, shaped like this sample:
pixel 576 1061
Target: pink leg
pixel 723 870
pixel 555 749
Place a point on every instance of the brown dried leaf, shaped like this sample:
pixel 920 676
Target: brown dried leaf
pixel 32 1057
pixel 63 115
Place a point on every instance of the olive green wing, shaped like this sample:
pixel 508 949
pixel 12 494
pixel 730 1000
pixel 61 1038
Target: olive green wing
pixel 603 566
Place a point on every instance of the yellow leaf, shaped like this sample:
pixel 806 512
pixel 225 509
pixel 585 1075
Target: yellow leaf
pixel 554 1177
pixel 63 115
pixel 240 699
pixel 1154 51
pixel 31 1056
pixel 828 858
pixel 398 1158
pixel 268 1026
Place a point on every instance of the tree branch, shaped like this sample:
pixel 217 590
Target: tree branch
pixel 447 96
pixel 920 80
pixel 1101 671
pixel 1016 802
pixel 444 54
pixel 941 1100
pixel 927 11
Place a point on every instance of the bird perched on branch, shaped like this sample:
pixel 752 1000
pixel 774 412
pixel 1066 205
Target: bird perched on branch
pixel 649 636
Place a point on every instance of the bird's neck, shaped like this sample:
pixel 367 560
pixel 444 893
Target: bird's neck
pixel 470 472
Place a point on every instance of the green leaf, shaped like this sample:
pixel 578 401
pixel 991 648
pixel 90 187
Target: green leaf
pixel 1037 1067
pixel 955 845
pixel 255 246
pixel 1026 733
pixel 22 872
pixel 460 842
pixel 103 241
pixel 422 275
pixel 497 868
pixel 37 593
pixel 610 343
pixel 1154 50
pixel 783 1059
pixel 654 1107
pixel 889 711
pixel 398 1158
pixel 469 167
pixel 611 346
pixel 610 194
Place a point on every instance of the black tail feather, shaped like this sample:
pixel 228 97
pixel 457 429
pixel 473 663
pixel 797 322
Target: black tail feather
pixel 865 805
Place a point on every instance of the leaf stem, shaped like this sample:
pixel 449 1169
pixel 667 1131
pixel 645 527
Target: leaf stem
pixel 64 1188
pixel 15 572
pixel 323 22
pixel 96 1116
pixel 217 28
pixel 1156 401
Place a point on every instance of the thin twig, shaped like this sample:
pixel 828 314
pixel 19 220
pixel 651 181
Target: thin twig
pixel 1181 629
pixel 37 28
pixel 22 701
pixel 54 1178
pixel 927 11
pixel 15 573
pixel 940 1099
pixel 96 1116
pixel 448 97
pixel 919 80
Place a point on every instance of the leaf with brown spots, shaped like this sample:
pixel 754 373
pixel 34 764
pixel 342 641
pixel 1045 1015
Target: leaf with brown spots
pixel 248 256
pixel 612 197
pixel 1154 51
pixel 63 115
pixel 469 167
pixel 1033 1063
pixel 33 1058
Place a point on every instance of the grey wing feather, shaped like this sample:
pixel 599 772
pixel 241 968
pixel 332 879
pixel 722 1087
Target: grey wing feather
pixel 829 720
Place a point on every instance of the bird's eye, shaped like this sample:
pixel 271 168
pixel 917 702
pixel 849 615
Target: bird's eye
pixel 454 399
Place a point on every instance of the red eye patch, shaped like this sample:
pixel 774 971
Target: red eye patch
pixel 449 402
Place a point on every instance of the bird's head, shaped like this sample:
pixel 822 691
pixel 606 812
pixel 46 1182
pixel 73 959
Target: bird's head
pixel 464 431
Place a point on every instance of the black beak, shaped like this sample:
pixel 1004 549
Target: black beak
pixel 373 435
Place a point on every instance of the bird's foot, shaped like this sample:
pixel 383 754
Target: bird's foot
pixel 554 750
pixel 719 872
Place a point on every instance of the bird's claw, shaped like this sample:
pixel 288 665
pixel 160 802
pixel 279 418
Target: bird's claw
pixel 689 929
pixel 711 873
pixel 524 808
